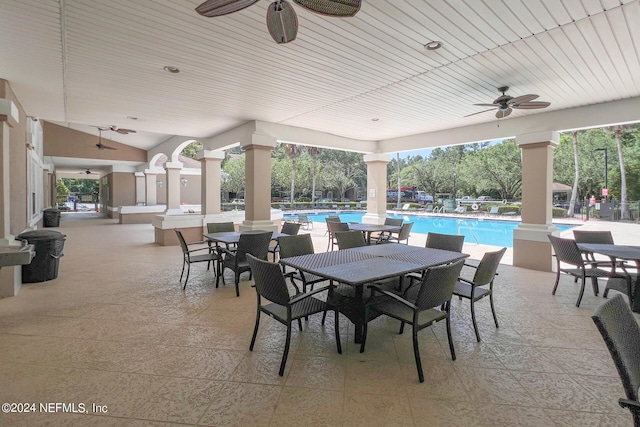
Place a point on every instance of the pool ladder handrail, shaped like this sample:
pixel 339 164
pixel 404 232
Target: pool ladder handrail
pixel 463 220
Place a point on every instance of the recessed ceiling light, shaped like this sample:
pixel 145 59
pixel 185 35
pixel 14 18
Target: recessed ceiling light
pixel 132 118
pixel 171 69
pixel 375 119
pixel 434 45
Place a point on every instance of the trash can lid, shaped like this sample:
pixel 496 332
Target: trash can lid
pixel 38 235
pixel 51 210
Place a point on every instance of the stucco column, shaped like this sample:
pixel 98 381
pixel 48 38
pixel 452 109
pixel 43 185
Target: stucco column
pixel 47 181
pixel 140 188
pixel 531 247
pixel 376 187
pixel 173 188
pixel 151 184
pixel 210 176
pixel 257 197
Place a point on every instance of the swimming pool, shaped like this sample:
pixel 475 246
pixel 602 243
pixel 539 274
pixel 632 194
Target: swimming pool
pixel 476 230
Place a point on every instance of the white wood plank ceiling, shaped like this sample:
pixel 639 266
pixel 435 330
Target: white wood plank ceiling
pixel 87 62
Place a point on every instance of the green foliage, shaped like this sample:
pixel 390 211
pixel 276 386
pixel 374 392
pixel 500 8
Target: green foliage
pixel 77 185
pixel 235 167
pixel 192 149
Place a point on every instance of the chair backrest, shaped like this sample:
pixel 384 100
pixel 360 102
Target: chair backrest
pixel 350 239
pixel 269 280
pixel 487 267
pixel 300 244
pixel 494 210
pixel 254 243
pixel 404 231
pixel 303 219
pixel 593 236
pixel 437 285
pixel 337 226
pixel 290 228
pixel 566 251
pixel 461 209
pixel 393 221
pixel 183 243
pixel 332 218
pixel 218 227
pixel 621 333
pixel 447 242
pixel 406 206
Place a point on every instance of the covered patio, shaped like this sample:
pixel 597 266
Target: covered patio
pixel 116 330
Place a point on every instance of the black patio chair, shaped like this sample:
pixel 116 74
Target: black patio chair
pixel 566 251
pixel 291 246
pixel 621 333
pixel 397 222
pixel 250 242
pixel 403 236
pixel 332 228
pixel 189 258
pixel 447 242
pixel 290 228
pixel 421 307
pixel 476 288
pixel 219 227
pixel 280 305
pixel 349 239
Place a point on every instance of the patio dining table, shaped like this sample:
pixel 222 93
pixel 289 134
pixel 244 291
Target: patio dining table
pixel 367 229
pixel 359 266
pixel 618 252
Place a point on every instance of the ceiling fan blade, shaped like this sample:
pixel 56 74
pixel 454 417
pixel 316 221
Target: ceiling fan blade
pixel 211 8
pixel 123 131
pixel 282 22
pixel 501 114
pixel 479 112
pixel 523 98
pixel 502 98
pixel 532 105
pixel 101 146
pixel 487 105
pixel 336 8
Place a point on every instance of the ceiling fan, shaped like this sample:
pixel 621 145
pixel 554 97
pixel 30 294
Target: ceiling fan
pixel 100 145
pixel 282 21
pixel 506 104
pixel 88 172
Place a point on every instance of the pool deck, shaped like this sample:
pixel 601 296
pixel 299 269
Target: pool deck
pixel 623 232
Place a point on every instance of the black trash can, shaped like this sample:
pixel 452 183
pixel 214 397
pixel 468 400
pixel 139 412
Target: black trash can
pixel 48 245
pixel 51 217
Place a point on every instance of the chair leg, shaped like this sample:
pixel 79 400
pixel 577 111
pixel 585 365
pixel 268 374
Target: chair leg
pixel 473 319
pixel 255 329
pixel 453 350
pixel 182 273
pixel 286 350
pixel 493 310
pixel 237 283
pixel 401 331
pixel 364 337
pixel 594 284
pixel 337 331
pixel 557 280
pixel 186 279
pixel 581 291
pixel 300 325
pixel 416 353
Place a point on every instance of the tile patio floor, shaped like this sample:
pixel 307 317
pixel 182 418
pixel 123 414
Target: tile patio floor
pixel 116 329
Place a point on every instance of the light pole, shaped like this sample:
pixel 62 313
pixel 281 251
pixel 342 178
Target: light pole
pixel 454 184
pixel 606 171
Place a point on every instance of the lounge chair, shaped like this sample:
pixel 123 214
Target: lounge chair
pixel 460 209
pixel 495 210
pixel 406 206
pixel 304 221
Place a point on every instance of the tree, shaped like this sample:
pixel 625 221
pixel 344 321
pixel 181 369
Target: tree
pixel 496 167
pixel 235 167
pixel 314 152
pixel 624 208
pixel 574 189
pixel 293 152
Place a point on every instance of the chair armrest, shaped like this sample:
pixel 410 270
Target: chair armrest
pixel 470 282
pixel 198 249
pixel 633 405
pixel 398 298
pixel 298 298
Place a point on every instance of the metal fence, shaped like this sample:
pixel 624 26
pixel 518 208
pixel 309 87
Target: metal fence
pixel 610 210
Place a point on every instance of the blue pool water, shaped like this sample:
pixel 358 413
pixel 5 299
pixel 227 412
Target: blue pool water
pixel 476 230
